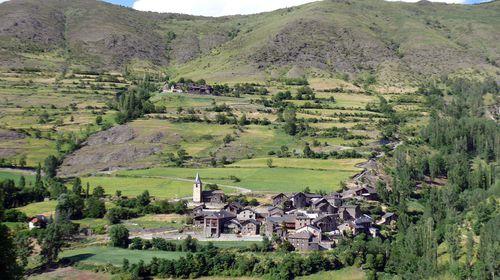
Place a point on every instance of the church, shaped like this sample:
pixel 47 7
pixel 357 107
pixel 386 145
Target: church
pixel 209 196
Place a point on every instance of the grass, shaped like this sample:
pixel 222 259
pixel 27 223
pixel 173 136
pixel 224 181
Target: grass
pixel 45 207
pixel 349 273
pixel 161 188
pixel 104 255
pixel 302 163
pixel 256 179
pixel 15 175
pixel 165 188
pixel 155 221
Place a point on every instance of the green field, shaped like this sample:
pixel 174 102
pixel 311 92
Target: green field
pixel 115 256
pixel 349 273
pixel 165 188
pixel 45 207
pixel 302 163
pixel 15 175
pixel 161 188
pixel 256 179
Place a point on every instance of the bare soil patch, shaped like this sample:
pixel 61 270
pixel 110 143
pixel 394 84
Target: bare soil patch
pixel 10 135
pixel 70 273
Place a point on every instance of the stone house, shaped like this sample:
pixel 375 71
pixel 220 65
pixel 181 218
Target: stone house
pixel 299 200
pixel 335 199
pixel 323 206
pixel 214 223
pixel 216 197
pixel 247 214
pixel 303 220
pixel 250 227
pixel 326 222
pixel 306 238
pixel 275 212
pixel 359 225
pixel 232 226
pixel 279 199
pixel 280 225
pixel 233 207
pixel 361 193
pixel 349 212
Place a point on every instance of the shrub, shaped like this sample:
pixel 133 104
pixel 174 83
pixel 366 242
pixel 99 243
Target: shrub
pixel 13 215
pixel 119 236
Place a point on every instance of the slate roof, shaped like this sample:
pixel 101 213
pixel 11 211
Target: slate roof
pixel 197 180
pixel 220 215
pixel 301 235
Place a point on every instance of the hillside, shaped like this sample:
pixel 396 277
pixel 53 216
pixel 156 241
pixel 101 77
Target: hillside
pixel 396 41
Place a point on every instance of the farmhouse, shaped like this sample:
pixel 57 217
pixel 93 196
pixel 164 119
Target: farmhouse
pixel 188 88
pixel 40 221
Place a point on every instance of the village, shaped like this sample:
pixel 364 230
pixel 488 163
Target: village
pixel 307 221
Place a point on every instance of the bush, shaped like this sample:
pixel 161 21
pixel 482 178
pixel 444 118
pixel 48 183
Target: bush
pixel 136 243
pixel 14 215
pixel 94 208
pixel 114 215
pixel 119 236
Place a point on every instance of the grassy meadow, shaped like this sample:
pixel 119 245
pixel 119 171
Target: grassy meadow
pixel 259 179
pixel 104 255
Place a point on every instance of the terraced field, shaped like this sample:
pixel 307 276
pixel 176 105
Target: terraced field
pixel 56 111
pixel 48 111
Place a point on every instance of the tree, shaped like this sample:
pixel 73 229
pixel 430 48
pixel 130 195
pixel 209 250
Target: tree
pixel 9 268
pixel 69 206
pixel 50 166
pixel 286 247
pixel 98 120
pixel 266 244
pixel 77 186
pixel 143 199
pixel 98 192
pixel 118 236
pixel 270 162
pixel 39 188
pixel 243 120
pixel 189 244
pixel 290 119
pixel 24 249
pixel 308 153
pixel 22 161
pixel 51 241
pixel 22 182
pixel 94 208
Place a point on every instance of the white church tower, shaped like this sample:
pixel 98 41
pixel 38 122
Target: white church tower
pixel 197 189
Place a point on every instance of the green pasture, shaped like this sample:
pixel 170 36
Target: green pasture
pixel 303 163
pixel 129 186
pixel 348 273
pixel 104 255
pixel 155 221
pixel 16 175
pixel 45 207
pixel 257 179
pixel 176 100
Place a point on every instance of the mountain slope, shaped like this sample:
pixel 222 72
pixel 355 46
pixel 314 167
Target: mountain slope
pixel 397 41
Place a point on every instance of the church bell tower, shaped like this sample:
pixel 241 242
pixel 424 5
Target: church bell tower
pixel 197 189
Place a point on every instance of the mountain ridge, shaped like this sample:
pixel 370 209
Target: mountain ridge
pixel 395 41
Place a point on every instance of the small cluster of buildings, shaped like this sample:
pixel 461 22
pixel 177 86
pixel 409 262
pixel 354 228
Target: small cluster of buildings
pixel 308 221
pixel 187 88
